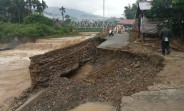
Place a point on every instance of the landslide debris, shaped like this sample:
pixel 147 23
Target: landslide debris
pixel 114 74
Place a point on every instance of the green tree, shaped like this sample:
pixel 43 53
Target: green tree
pixel 44 5
pixel 67 21
pixel 5 10
pixel 38 6
pixel 161 9
pixel 178 9
pixel 62 9
pixel 130 11
pixel 16 10
pixel 38 19
pixel 178 18
pixel 171 11
pixel 67 16
pixel 178 1
pixel 29 5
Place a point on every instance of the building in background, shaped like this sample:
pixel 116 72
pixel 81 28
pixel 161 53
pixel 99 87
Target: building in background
pixel 145 25
pixel 127 24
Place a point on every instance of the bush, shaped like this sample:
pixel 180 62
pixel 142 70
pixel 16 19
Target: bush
pixel 9 31
pixel 38 19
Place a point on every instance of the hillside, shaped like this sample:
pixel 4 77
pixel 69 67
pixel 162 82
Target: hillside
pixel 53 12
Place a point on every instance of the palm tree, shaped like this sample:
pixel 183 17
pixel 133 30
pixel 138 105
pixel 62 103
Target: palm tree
pixel 37 5
pixel 17 10
pixel 5 10
pixel 62 9
pixel 67 21
pixel 29 5
pixel 44 5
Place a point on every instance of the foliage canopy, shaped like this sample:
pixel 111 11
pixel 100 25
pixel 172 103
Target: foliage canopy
pixel 38 19
pixel 130 11
pixel 16 10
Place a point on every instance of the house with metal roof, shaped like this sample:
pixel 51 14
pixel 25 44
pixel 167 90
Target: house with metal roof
pixel 127 24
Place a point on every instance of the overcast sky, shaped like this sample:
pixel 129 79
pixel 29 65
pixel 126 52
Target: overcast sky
pixel 113 8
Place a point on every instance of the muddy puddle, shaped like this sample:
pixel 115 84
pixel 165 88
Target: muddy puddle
pixel 94 107
pixel 83 72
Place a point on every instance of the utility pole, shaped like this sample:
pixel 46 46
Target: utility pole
pixel 103 15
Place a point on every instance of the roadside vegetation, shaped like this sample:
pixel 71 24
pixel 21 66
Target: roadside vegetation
pixel 9 31
pixel 170 13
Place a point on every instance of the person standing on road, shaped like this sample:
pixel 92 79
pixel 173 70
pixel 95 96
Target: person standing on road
pixel 165 36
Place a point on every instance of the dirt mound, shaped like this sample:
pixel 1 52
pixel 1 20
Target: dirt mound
pixel 112 74
pixel 61 62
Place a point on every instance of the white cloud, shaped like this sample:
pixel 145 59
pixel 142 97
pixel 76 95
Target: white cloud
pixel 113 8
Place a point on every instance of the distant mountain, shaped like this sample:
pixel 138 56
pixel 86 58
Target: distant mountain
pixel 53 12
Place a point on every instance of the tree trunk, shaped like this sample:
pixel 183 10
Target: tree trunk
pixel 19 15
pixel 181 28
pixel 181 31
pixel 30 6
pixel 63 16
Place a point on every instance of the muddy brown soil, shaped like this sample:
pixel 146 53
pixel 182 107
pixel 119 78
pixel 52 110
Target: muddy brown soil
pixel 107 76
pixel 173 72
pixel 113 74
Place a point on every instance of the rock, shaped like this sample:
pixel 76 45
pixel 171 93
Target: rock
pixel 165 100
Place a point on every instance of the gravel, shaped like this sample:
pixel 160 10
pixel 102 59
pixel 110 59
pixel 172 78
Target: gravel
pixel 114 74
